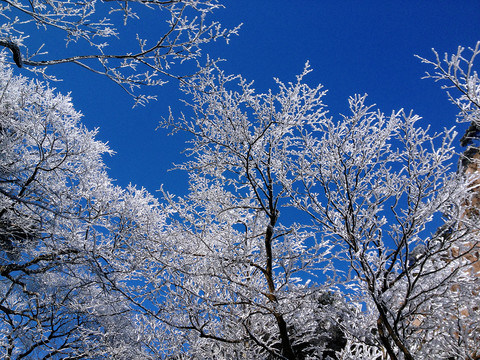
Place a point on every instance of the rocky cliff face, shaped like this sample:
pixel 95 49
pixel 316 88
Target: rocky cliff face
pixel 468 315
pixel 470 166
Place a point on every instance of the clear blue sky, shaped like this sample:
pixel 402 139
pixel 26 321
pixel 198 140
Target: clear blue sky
pixel 353 47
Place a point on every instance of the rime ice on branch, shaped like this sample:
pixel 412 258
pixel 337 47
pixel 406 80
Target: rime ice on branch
pixel 366 190
pixel 100 38
pixel 66 234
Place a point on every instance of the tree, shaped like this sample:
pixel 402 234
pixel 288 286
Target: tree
pixel 303 236
pixel 458 71
pixel 66 234
pixel 238 266
pixel 91 28
pixel 379 209
pixel 376 185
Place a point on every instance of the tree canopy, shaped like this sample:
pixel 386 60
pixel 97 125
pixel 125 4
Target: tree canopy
pixel 64 229
pixel 303 234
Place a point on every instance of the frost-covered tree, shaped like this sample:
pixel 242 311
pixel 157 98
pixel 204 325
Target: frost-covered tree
pixel 386 191
pixel 133 43
pixel 460 73
pixel 241 254
pixel 69 239
pixel 287 204
pixel 303 236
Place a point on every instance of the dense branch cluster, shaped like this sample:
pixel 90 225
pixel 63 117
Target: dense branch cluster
pixel 381 202
pixel 302 235
pixel 64 229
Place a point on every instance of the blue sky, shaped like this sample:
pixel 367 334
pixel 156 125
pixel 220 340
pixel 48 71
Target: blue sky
pixel 353 47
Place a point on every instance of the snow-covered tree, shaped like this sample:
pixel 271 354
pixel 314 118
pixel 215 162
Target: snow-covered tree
pixel 288 205
pixel 459 72
pixel 387 191
pixel 66 234
pixel 303 236
pixel 241 255
pixel 133 43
